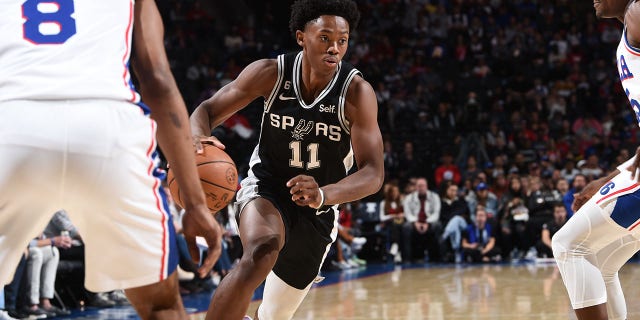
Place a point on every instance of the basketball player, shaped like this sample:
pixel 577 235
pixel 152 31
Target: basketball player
pixel 603 233
pixel 319 113
pixel 74 134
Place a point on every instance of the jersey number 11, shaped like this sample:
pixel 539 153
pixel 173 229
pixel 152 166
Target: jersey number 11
pixel 296 152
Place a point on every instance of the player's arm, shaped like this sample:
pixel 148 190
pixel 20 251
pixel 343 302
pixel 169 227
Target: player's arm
pixel 256 80
pixel 590 189
pixel 160 92
pixel 361 110
pixel 632 23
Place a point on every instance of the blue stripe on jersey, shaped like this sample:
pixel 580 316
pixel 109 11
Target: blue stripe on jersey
pixel 626 41
pixel 144 108
pixel 627 209
pixel 172 262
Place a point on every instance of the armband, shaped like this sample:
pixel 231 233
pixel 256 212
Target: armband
pixel 321 199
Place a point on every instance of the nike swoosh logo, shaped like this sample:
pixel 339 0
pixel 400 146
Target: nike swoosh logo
pixel 281 97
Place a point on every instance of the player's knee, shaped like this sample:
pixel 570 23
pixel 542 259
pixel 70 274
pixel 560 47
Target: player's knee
pixel 559 245
pixel 264 251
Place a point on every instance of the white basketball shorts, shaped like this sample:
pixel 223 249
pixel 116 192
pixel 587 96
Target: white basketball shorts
pixel 597 241
pixel 97 160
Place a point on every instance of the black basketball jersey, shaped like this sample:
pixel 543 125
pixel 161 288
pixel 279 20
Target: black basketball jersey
pixel 300 138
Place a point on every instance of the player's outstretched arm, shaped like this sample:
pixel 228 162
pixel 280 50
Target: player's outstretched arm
pixel 362 112
pixel 160 92
pixel 256 80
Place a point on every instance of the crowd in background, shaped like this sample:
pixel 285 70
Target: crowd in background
pixel 508 100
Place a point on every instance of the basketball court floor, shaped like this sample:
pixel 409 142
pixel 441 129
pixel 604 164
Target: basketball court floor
pixel 435 292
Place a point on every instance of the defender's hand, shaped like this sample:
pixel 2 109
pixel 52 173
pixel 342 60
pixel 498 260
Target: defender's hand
pixel 635 165
pixel 199 140
pixel 586 194
pixel 200 222
pixel 305 191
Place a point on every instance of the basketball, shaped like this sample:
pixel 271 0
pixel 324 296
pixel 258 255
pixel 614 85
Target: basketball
pixel 218 176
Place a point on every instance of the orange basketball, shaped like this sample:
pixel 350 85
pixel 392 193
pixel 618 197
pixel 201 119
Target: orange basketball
pixel 218 176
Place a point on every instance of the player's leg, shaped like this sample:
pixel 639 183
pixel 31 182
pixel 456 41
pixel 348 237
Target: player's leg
pixel 579 248
pixel 610 259
pixel 160 300
pixel 30 177
pixel 119 206
pixel 263 234
pixel 273 306
pixel 298 264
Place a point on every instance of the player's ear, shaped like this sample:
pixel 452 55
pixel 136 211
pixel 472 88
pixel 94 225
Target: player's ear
pixel 299 37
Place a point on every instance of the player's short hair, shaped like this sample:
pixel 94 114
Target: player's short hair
pixel 303 11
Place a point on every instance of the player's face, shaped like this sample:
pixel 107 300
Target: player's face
pixel 609 8
pixel 325 41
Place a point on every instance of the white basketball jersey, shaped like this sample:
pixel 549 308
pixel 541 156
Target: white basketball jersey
pixel 629 66
pixel 66 49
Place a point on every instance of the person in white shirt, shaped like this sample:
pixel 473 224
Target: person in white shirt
pixel 422 214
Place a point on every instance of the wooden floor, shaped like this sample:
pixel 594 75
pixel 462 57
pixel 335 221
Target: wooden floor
pixel 508 291
pixel 473 292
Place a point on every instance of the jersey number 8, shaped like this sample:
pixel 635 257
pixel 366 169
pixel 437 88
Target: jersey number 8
pixel 44 15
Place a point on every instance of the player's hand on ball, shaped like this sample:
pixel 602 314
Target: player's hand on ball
pixel 635 165
pixel 589 190
pixel 199 140
pixel 305 191
pixel 200 222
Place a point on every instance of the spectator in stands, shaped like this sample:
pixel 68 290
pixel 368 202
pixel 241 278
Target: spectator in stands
pixel 586 125
pixel 549 229
pixel 391 161
pixel 591 169
pixel 513 219
pixel 447 171
pixel 562 187
pixel 422 214
pixel 454 216
pixel 12 290
pixel 479 241
pixel 41 269
pixel 392 219
pixel 540 204
pixel 471 170
pixel 482 196
pixel 578 183
pixel 347 246
pixel 71 265
pixel 497 167
pixel 569 171
pixel 407 163
pixel 500 187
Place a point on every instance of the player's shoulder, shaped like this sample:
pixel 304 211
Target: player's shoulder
pixel 261 74
pixel 263 66
pixel 632 22
pixel 359 86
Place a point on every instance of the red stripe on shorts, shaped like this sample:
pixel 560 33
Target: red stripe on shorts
pixel 635 185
